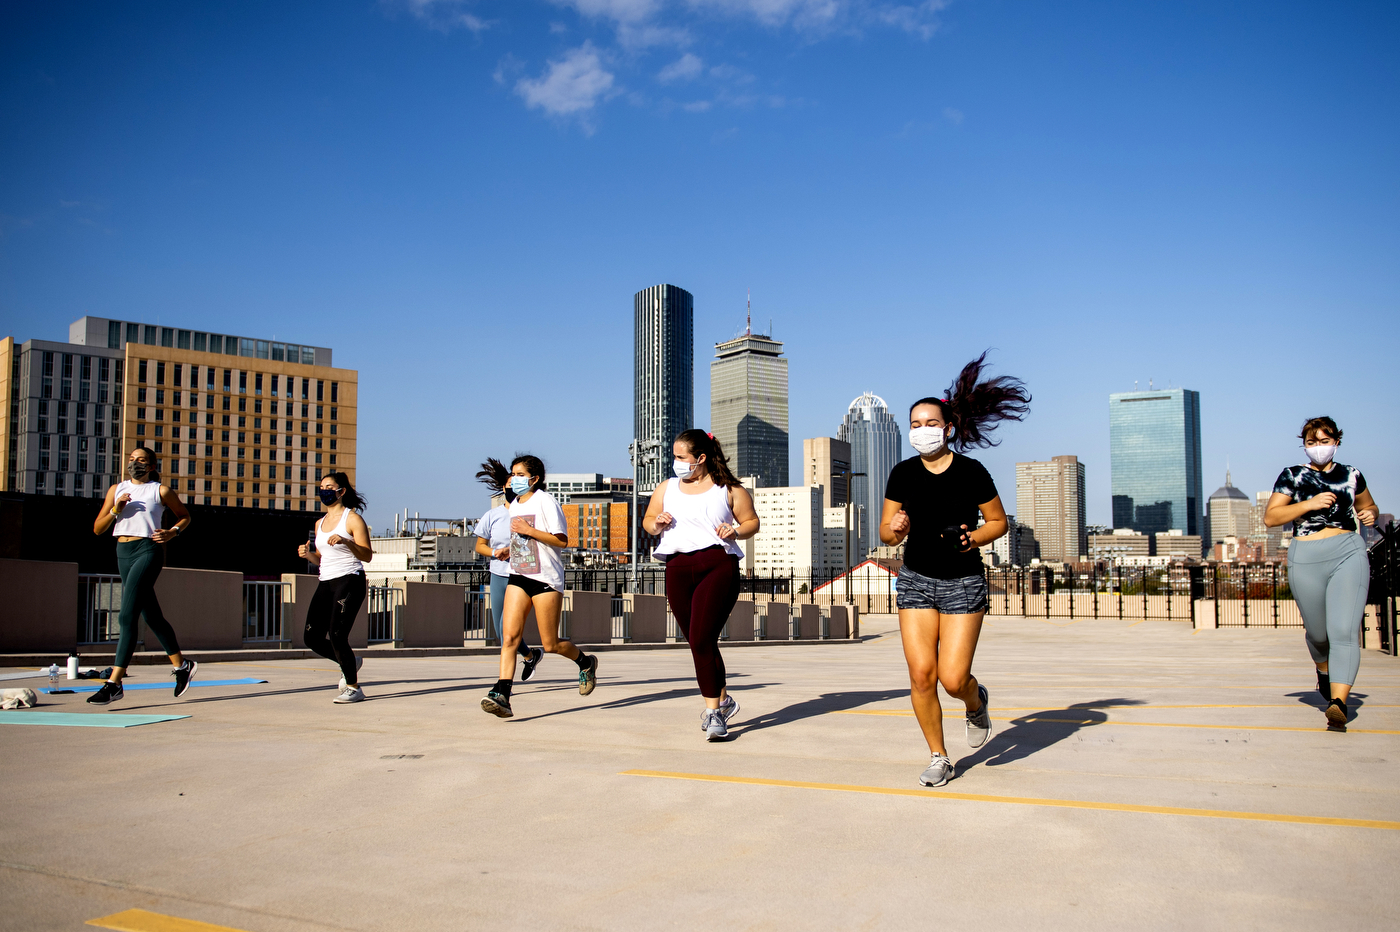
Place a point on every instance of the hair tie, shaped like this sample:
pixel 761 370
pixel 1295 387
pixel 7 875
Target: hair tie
pixel 710 435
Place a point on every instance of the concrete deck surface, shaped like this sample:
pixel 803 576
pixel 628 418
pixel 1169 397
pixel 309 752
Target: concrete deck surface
pixel 273 809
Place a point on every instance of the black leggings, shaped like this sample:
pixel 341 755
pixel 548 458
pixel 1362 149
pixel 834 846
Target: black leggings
pixel 140 563
pixel 330 617
pixel 702 588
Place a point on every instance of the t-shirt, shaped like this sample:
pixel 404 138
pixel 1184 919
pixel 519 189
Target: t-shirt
pixel 529 557
pixel 1302 482
pixel 494 528
pixel 935 501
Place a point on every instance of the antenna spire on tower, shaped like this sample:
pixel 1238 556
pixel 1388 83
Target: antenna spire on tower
pixel 748 316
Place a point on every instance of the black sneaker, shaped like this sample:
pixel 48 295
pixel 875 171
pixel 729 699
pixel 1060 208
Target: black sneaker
pixel 1337 715
pixel 588 676
pixel 109 692
pixel 497 704
pixel 183 674
pixel 532 661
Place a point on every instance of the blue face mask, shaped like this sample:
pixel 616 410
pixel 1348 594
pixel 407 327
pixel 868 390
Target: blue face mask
pixel 519 484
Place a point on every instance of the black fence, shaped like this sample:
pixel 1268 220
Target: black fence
pixel 1385 584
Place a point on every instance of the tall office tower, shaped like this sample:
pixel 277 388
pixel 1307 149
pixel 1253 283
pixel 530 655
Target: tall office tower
pixel 1155 449
pixel 749 406
pixel 230 420
pixel 825 460
pixel 663 370
pixel 1050 501
pixel 876 446
pixel 1231 513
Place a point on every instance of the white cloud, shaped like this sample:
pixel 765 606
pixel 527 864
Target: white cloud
pixel 920 19
pixel 569 86
pixel 805 13
pixel 953 115
pixel 685 68
pixel 698 106
pixel 447 14
pixel 622 11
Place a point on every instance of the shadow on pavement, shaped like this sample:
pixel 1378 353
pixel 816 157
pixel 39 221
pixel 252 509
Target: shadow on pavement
pixel 1039 730
pixel 627 701
pixel 808 708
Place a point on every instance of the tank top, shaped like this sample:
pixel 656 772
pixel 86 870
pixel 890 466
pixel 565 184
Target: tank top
pixel 336 561
pixel 696 516
pixel 141 516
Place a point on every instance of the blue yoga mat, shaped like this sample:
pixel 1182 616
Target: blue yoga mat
pixel 82 719
pixel 247 681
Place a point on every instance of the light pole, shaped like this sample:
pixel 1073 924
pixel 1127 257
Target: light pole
pixel 849 500
pixel 642 453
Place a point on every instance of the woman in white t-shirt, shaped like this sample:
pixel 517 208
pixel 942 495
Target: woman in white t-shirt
pixel 538 533
pixel 493 541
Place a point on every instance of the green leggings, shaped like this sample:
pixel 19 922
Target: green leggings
pixel 140 562
pixel 1329 579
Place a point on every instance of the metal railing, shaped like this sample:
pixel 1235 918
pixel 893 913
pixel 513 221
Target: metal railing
pixel 263 607
pixel 621 619
pixel 1385 585
pixel 99 608
pixel 478 624
pixel 385 607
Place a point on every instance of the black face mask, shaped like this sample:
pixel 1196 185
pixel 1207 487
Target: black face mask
pixel 330 496
pixel 138 469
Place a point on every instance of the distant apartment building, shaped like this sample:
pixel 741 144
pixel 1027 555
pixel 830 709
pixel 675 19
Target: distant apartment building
pixel 1017 547
pixel 1050 501
pixel 663 374
pixel 596 509
pixel 790 536
pixel 877 444
pixel 1123 545
pixel 1155 454
pixel 826 462
pixel 749 406
pixel 563 486
pixel 1274 541
pixel 1176 546
pixel 231 420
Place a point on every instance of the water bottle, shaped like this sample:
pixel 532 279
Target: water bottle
pixel 73 665
pixel 53 674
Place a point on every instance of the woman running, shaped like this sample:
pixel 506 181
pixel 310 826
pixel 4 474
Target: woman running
pixel 493 540
pixel 538 533
pixel 933 500
pixel 132 511
pixel 699 515
pixel 342 546
pixel 1328 569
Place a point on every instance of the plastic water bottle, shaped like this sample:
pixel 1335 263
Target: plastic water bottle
pixel 53 674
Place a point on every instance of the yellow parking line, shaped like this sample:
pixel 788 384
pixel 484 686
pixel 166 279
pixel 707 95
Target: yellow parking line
pixel 1024 800
pixel 139 920
pixel 1086 722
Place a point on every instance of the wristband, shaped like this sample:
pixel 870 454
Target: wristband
pixel 115 513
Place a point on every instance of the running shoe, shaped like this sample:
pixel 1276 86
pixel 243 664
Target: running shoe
pixel 715 729
pixel 1337 715
pixel 727 708
pixel 498 704
pixel 108 692
pixel 350 694
pixel 588 676
pixel 532 661
pixel 979 723
pixel 359 662
pixel 183 674
pixel 939 772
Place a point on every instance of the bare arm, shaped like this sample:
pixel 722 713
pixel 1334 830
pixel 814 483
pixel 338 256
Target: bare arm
pixel 359 539
pixel 306 553
pixel 894 523
pixel 656 520
pixel 1282 510
pixel 171 500
pixel 483 547
pixel 107 518
pixel 1366 508
pixel 741 503
pixel 994 525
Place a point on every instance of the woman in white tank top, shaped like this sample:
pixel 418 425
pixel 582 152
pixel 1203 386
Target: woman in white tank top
pixel 700 515
pixel 132 512
pixel 342 546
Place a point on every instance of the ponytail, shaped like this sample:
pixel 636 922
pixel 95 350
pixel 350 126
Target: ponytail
pixel 351 499
pixel 699 443
pixel 494 474
pixel 974 409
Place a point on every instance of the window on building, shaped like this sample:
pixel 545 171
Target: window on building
pixel 148 335
pixel 176 373
pixel 182 339
pixel 160 373
pixel 141 371
pixel 216 343
pixel 279 352
pixel 305 392
pixel 228 379
pixel 246 347
pixel 200 344
pixel 167 336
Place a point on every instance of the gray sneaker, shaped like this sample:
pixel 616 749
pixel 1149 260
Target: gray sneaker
pixel 715 729
pixel 350 694
pixel 727 710
pixel 939 772
pixel 979 723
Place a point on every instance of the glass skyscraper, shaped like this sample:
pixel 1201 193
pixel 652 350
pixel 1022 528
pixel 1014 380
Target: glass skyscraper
pixel 663 370
pixel 1155 449
pixel 877 444
pixel 749 407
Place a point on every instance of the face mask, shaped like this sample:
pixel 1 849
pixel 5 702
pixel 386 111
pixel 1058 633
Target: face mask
pixel 138 469
pixel 520 484
pixel 329 496
pixel 683 469
pixel 1321 454
pixel 927 439
pixel 509 493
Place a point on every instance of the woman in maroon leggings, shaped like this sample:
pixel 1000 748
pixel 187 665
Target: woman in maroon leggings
pixel 699 515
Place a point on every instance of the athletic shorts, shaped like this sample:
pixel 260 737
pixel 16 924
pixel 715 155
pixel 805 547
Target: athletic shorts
pixel 532 587
pixel 964 596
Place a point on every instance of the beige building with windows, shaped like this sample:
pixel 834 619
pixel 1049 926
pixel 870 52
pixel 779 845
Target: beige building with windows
pixel 1050 501
pixel 789 539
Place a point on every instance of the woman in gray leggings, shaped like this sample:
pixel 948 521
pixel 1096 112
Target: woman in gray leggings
pixel 1328 569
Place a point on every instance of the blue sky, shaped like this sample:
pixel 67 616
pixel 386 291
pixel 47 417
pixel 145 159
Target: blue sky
pixel 462 197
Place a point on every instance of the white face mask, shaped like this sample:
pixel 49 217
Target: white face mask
pixel 1321 454
pixel 927 440
pixel 683 469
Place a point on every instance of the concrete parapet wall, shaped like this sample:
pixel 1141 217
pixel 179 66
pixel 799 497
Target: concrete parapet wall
pixel 205 607
pixel 648 617
pixel 40 610
pixel 741 621
pixel 778 626
pixel 432 614
pixel 809 624
pixel 839 626
pixel 590 617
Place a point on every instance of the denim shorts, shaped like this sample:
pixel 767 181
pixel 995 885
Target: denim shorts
pixel 964 596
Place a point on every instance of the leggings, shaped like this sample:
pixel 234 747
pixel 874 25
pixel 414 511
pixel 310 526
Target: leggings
pixel 498 607
pixel 140 562
pixel 330 617
pixel 1329 579
pixel 702 588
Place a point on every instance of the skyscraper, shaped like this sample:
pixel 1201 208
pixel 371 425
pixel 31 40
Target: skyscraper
pixel 1231 513
pixel 1155 450
pixel 749 406
pixel 663 369
pixel 1050 500
pixel 876 446
pixel 825 460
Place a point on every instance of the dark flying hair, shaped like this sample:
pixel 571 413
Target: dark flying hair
pixel 496 476
pixel 700 443
pixel 152 464
pixel 1324 424
pixel 976 408
pixel 351 499
pixel 534 466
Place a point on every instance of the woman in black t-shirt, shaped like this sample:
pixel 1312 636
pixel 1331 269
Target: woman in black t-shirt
pixel 932 502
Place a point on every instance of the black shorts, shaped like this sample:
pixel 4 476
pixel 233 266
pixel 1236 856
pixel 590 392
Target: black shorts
pixel 532 587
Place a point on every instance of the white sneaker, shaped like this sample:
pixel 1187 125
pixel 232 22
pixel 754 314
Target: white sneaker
pixel 350 694
pixel 939 772
pixel 359 662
